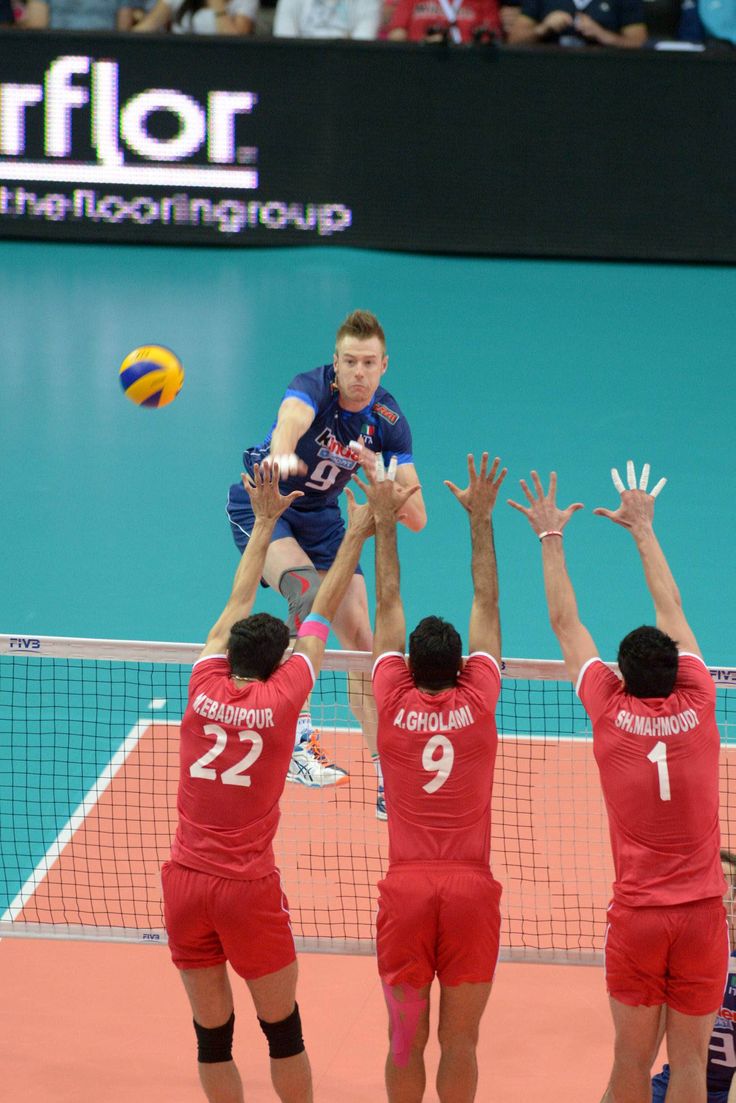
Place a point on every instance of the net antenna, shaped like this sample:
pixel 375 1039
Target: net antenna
pixel 88 775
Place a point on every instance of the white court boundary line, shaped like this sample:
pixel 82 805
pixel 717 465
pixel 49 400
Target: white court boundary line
pixel 75 821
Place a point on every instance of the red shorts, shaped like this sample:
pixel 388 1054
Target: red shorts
pixel 438 918
pixel 210 920
pixel 676 955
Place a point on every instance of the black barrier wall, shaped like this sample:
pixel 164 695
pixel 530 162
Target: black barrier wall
pixel 586 153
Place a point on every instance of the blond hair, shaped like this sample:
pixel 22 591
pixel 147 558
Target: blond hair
pixel 362 325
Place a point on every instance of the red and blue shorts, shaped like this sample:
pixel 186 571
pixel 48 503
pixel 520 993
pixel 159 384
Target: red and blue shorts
pixel 675 954
pixel 210 920
pixel 438 918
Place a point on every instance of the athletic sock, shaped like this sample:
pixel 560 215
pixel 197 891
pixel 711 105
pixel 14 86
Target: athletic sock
pixel 303 727
pixel 375 759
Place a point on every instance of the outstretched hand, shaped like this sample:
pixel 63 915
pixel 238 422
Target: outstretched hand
pixel 636 510
pixel 367 458
pixel 479 496
pixel 386 497
pixel 263 490
pixel 360 516
pixel 543 513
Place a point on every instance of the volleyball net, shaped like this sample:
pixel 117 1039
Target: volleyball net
pixel 89 734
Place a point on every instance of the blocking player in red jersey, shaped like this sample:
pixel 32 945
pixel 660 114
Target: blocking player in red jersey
pixel 656 744
pixel 438 911
pixel 223 899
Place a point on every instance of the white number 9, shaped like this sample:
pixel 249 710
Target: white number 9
pixel 441 766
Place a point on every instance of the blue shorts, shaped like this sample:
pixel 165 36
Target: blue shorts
pixel 662 1079
pixel 318 532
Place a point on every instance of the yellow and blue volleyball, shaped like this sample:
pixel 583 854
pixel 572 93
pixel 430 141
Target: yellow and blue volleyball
pixel 151 376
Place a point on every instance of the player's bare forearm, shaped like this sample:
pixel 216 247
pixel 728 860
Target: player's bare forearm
pixel 336 581
pixel 246 581
pixel 414 514
pixel 484 568
pixel 636 513
pixel 659 578
pixel 294 418
pixel 485 621
pixel 665 593
pixel 575 641
pixel 250 567
pixel 390 631
pixel 561 601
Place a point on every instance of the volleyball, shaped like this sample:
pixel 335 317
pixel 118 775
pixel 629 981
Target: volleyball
pixel 151 376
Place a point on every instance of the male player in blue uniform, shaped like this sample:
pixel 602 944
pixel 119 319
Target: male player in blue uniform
pixel 719 1072
pixel 331 421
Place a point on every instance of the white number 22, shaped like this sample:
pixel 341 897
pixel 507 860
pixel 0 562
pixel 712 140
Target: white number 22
pixel 236 775
pixel 441 766
pixel 658 754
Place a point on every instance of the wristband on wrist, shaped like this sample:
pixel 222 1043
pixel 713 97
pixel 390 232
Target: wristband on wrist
pixel 315 625
pixel 549 532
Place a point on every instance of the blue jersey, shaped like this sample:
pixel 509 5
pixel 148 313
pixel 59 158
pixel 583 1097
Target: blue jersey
pixel 721 1048
pixel 324 448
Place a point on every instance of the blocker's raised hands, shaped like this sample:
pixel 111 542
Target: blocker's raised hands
pixel 543 513
pixel 482 490
pixel 262 487
pixel 637 503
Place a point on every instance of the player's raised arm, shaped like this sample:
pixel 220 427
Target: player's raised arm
pixel 636 513
pixel 293 420
pixel 548 522
pixel 413 513
pixel 388 499
pixel 479 498
pixel 313 633
pixel 268 505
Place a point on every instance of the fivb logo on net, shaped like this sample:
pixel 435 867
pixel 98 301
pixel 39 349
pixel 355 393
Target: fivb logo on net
pixel 115 128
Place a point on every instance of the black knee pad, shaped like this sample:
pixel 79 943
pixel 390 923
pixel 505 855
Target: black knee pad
pixel 284 1038
pixel 299 586
pixel 215 1044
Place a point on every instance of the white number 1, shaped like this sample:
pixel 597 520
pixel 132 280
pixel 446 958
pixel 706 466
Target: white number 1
pixel 658 754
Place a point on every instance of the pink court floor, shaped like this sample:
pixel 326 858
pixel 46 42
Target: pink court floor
pixel 96 1023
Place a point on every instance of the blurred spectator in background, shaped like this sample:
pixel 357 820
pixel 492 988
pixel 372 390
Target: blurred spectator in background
pixel 75 15
pixel 673 21
pixel 327 19
pixel 388 8
pixel 618 23
pixel 444 20
pixel 509 14
pixel 199 17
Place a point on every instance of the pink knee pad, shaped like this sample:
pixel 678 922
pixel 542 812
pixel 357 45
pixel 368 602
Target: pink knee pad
pixel 404 1015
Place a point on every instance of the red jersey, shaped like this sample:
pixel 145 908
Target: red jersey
pixel 234 751
pixel 438 751
pixel 658 763
pixel 417 17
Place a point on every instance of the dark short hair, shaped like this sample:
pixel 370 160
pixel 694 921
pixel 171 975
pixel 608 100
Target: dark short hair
pixel 647 659
pixel 435 653
pixel 256 646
